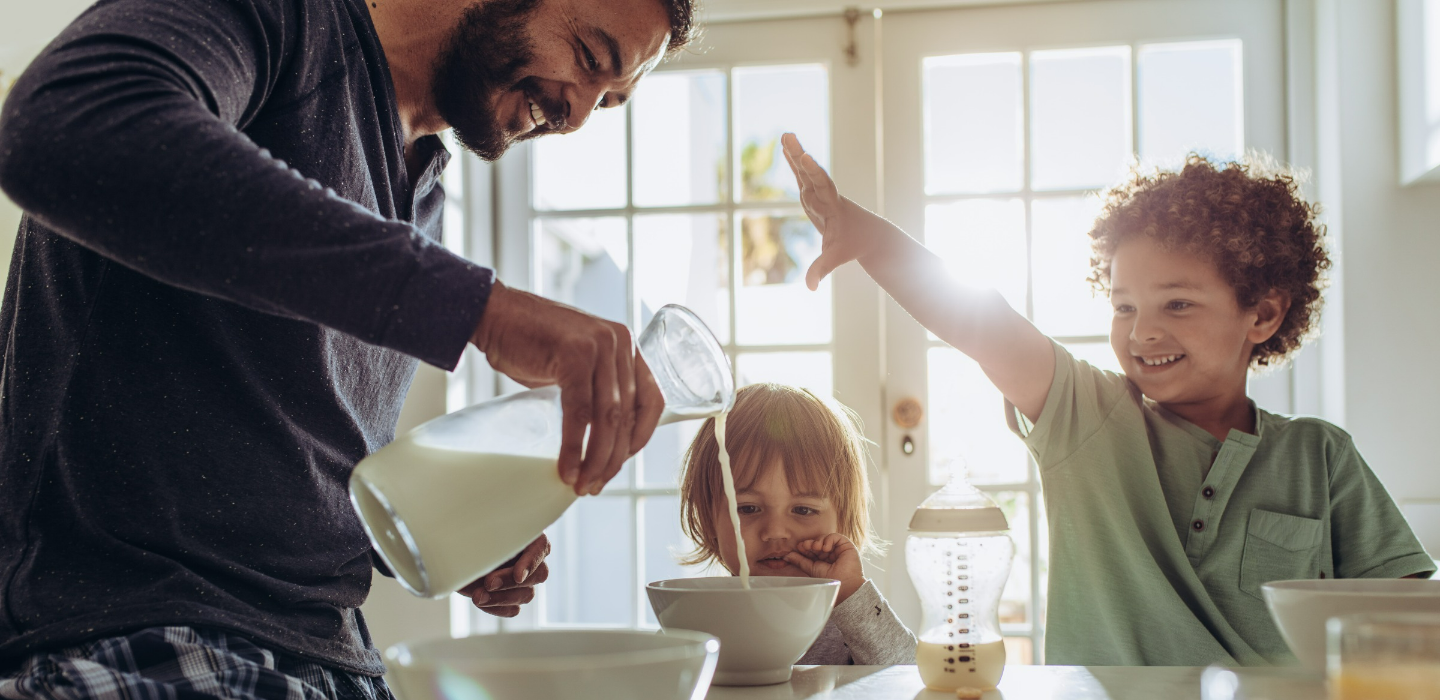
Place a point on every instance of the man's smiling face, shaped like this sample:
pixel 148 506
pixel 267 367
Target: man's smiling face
pixel 517 69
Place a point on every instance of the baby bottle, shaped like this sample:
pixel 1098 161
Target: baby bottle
pixel 958 553
pixel 458 496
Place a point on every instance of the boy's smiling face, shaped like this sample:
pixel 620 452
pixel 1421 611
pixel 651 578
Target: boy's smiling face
pixel 773 521
pixel 1178 330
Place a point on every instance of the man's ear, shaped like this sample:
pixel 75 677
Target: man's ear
pixel 1269 313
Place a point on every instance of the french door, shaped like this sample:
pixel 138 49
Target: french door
pixel 682 196
pixel 1000 125
pixel 985 132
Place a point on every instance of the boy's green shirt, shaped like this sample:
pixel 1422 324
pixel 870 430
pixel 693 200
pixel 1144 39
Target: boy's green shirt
pixel 1161 535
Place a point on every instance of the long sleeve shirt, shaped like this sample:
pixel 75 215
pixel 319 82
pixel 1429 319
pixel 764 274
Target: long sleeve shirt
pixel 220 288
pixel 863 630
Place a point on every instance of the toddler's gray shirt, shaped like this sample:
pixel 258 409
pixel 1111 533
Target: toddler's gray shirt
pixel 863 631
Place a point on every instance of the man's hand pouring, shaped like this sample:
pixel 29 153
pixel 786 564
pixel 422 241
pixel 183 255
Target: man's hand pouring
pixel 604 384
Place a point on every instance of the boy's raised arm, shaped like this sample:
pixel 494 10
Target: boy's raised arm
pixel 1016 356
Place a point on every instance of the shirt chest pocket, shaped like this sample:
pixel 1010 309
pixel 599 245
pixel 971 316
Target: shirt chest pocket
pixel 1279 547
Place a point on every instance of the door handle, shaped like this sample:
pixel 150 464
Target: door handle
pixel 907 413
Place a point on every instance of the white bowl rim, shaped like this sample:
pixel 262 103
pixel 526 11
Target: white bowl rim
pixel 1417 588
pixel 697 641
pixel 772 583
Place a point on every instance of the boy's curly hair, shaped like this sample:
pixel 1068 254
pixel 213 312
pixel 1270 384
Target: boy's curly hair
pixel 1247 217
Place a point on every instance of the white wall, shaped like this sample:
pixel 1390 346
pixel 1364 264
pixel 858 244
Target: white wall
pixel 1391 255
pixel 392 613
pixel 9 222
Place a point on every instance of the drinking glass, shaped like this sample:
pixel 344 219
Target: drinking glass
pixel 1392 656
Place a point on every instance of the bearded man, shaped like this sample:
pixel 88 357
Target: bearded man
pixel 224 279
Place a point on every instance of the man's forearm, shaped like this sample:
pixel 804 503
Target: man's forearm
pixel 919 281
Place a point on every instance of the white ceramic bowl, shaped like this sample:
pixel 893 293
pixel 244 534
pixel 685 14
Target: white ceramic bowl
pixel 762 631
pixel 556 665
pixel 1300 608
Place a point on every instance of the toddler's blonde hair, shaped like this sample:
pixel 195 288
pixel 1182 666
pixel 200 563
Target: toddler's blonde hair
pixel 819 442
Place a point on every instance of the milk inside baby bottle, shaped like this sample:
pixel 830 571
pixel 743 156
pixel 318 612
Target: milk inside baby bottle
pixel 958 553
pixel 456 497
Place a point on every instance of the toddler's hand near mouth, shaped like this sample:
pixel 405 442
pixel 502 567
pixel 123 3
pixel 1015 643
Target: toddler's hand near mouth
pixel 831 556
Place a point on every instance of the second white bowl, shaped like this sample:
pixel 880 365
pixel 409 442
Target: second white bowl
pixel 763 631
pixel 1300 608
pixel 555 665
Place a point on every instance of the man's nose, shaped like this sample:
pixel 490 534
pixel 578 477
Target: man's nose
pixel 580 103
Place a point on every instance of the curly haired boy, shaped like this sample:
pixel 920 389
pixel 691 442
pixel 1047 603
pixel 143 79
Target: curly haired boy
pixel 1171 497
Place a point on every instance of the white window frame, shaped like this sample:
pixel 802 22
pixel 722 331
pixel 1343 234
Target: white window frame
pixel 853 341
pixel 870 374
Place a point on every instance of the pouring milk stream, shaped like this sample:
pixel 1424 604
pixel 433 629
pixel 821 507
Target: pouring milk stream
pixel 455 498
pixel 728 479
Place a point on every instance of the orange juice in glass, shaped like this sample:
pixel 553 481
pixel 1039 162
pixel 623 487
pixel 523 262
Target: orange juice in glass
pixel 1384 657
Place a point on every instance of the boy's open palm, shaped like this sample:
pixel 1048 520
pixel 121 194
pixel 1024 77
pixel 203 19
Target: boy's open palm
pixel 837 218
pixel 831 556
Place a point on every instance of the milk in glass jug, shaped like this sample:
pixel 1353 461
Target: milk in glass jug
pixel 458 496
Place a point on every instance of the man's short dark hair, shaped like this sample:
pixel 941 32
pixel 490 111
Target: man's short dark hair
pixel 682 23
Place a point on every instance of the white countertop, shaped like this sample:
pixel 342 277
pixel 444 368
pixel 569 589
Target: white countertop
pixel 1023 683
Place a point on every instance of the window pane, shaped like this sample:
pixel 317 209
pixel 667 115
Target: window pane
pixel 773 305
pixel 1080 117
pixel 683 259
pixel 584 169
pixel 1015 603
pixel 770 101
pixel 591 580
pixel 665 453
pixel 1190 100
pixel 1099 355
pixel 582 262
pixel 967 425
pixel 1041 556
pixel 982 242
pixel 973 130
pixel 679 125
pixel 1019 651
pixel 1064 302
pixel 809 370
pixel 452 223
pixel 664 544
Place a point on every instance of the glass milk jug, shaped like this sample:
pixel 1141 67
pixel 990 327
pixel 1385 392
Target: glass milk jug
pixel 458 496
pixel 958 554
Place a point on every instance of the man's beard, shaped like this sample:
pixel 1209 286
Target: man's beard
pixel 486 52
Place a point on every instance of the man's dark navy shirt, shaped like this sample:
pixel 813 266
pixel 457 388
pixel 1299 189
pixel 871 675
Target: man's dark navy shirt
pixel 221 285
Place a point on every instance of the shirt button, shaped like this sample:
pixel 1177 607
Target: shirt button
pixel 1208 492
pixel 1198 525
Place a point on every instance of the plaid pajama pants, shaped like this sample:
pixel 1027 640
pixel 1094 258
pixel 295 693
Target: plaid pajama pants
pixel 181 663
